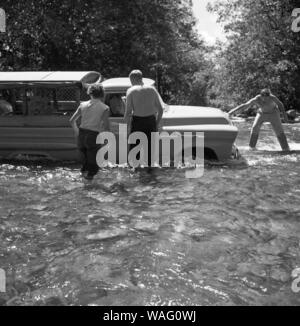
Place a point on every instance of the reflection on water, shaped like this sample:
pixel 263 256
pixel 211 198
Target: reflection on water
pixel 229 238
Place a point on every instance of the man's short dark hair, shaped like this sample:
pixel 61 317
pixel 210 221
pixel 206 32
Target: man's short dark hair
pixel 265 92
pixel 96 90
pixel 136 75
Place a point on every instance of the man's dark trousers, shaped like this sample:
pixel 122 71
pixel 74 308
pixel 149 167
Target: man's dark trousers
pixel 88 150
pixel 147 125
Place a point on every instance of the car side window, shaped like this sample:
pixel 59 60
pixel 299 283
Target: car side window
pixel 39 101
pixel 6 103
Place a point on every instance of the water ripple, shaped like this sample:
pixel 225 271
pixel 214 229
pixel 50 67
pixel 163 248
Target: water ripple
pixel 229 238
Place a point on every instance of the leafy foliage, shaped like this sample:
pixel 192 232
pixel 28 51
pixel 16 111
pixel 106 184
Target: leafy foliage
pixel 261 51
pixel 110 36
pixel 158 37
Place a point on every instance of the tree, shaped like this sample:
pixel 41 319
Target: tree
pixel 110 36
pixel 261 51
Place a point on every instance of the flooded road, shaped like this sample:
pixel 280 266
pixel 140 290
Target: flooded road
pixel 229 238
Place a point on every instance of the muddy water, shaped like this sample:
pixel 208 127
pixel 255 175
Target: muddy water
pixel 229 238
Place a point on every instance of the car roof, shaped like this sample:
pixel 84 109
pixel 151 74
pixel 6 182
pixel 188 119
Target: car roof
pixel 49 78
pixel 116 85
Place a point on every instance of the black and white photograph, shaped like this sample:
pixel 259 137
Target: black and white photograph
pixel 149 155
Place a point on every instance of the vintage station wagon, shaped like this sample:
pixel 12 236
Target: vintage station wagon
pixel 42 103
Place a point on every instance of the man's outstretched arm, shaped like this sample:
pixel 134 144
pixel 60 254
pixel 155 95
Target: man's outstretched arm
pixel 128 110
pixel 160 107
pixel 244 106
pixel 73 121
pixel 105 119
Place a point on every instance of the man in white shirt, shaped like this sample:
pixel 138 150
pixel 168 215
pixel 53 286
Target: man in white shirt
pixel 144 108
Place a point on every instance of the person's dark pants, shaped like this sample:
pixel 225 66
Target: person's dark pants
pixel 147 125
pixel 88 150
